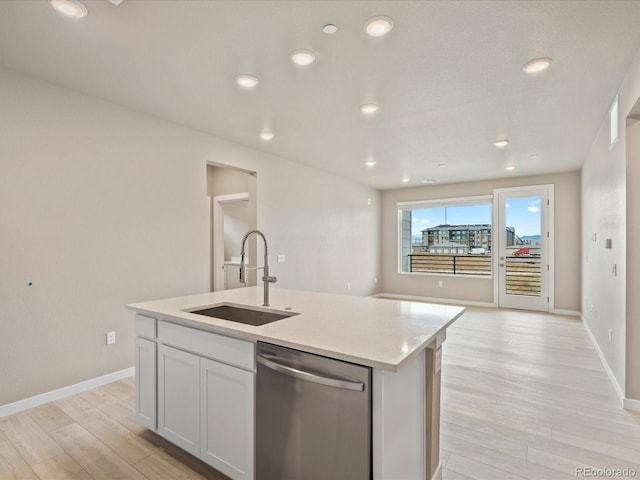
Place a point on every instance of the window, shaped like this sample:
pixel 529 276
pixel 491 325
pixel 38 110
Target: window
pixel 446 237
pixel 613 123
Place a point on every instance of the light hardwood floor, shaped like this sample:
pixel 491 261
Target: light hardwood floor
pixel 524 396
pixel 92 435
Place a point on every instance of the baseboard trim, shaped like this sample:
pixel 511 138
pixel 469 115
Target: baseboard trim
pixel 631 404
pixel 446 301
pixel 605 364
pixel 63 392
pixel 571 313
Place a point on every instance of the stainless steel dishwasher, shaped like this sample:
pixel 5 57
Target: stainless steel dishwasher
pixel 313 417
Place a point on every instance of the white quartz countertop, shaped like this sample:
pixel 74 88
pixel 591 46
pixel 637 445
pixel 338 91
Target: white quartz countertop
pixel 375 332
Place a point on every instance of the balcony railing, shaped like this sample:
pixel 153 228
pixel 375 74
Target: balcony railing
pixel 523 276
pixel 451 264
pixel 523 273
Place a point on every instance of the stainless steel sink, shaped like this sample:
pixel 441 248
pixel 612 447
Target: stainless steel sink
pixel 243 315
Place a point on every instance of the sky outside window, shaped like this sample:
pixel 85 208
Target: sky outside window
pixel 523 214
pixel 424 218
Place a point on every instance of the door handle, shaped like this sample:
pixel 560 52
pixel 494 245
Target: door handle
pixel 269 362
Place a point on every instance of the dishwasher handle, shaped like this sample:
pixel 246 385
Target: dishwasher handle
pixel 269 361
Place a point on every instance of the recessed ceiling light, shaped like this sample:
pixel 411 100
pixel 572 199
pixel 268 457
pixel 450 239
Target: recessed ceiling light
pixel 501 143
pixel 247 81
pixel 378 26
pixel 405 179
pixel 537 65
pixel 533 157
pixel 330 29
pixel 430 180
pixel 302 57
pixel 442 165
pixel 369 108
pixel 266 136
pixel 370 162
pixel 510 167
pixel 69 8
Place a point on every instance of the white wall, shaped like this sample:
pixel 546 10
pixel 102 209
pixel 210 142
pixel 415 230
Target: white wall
pixel 325 226
pixel 632 333
pixel 566 246
pixel 610 212
pixel 102 206
pixel 604 207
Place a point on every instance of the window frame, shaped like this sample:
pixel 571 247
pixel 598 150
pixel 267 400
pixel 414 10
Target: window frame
pixel 435 203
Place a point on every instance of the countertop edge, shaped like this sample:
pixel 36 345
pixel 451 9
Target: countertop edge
pixel 248 333
pixel 256 337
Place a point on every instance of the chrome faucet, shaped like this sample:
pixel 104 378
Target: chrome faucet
pixel 266 279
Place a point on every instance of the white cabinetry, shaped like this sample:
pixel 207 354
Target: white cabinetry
pixel 179 398
pixel 197 390
pixel 227 418
pixel 145 362
pixel 146 382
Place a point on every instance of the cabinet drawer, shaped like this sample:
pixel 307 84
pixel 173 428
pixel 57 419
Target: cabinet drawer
pixel 145 327
pixel 228 350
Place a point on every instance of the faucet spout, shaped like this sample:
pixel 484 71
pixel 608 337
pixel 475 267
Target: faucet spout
pixel 266 278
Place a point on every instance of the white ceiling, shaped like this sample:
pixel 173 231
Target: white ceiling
pixel 448 77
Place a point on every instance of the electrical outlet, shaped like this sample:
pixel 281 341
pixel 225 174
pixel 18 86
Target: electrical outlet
pixel 282 258
pixel 610 335
pixel 440 283
pixel 111 338
pixel 348 285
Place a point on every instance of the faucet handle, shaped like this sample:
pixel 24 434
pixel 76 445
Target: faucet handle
pixel 269 279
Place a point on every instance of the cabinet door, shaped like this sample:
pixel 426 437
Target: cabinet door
pixel 227 418
pixel 146 399
pixel 179 398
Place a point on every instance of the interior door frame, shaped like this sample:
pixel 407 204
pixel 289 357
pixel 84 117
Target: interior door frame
pixel 218 203
pixel 547 241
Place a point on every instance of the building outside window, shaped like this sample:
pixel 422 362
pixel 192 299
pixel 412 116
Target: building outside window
pixel 451 236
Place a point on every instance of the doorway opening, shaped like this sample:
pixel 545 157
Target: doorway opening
pixel 231 193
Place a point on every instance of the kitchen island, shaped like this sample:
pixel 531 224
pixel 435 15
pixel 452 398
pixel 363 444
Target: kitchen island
pixel 195 375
